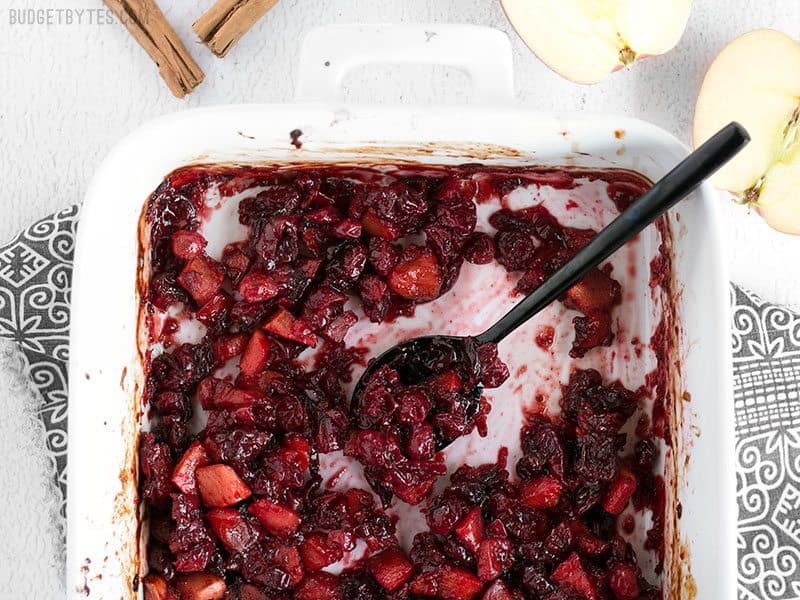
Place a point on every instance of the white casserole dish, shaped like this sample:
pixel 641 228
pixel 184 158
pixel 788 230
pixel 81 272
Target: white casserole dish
pixel 105 368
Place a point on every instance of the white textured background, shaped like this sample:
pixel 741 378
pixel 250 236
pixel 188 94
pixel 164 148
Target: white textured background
pixel 68 92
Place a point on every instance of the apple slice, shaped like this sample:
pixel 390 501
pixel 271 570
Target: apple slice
pixel 755 80
pixel 585 40
pixel 201 586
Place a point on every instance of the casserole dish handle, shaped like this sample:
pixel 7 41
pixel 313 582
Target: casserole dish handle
pixel 330 52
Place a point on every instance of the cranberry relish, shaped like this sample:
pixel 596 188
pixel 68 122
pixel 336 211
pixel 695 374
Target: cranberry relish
pixel 239 510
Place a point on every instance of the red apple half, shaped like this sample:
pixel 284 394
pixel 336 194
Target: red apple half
pixel 755 80
pixel 585 40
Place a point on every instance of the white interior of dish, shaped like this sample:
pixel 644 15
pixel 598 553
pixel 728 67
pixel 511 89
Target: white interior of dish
pixel 103 525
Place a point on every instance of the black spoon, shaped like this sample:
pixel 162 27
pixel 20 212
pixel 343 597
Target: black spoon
pixel 422 357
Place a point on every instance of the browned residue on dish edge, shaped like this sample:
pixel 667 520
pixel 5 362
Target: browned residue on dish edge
pixel 370 153
pixel 679 582
pixel 476 152
pixel 128 517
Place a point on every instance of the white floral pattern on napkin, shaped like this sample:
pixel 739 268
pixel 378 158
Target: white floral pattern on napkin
pixel 35 278
pixel 766 378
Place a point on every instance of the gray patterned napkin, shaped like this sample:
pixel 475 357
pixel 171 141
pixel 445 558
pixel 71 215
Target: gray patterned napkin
pixel 35 276
pixel 766 387
pixel 35 281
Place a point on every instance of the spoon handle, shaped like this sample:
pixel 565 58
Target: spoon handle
pixel 674 186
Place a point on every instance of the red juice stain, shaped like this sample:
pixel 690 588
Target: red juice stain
pixel 171 326
pixel 660 267
pixel 637 346
pixel 657 379
pixel 628 524
pixel 545 336
pixel 335 478
pixel 502 456
pixel 643 427
pixel 625 188
pixel 655 535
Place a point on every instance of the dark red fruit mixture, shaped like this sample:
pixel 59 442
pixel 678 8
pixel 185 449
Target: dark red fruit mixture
pixel 550 532
pixel 238 510
pixel 401 420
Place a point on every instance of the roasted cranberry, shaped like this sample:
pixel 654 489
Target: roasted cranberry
pixel 156 460
pixel 165 291
pixel 413 405
pixel 494 372
pixel 383 256
pixel 645 454
pixel 479 248
pixel 515 250
pixel 375 297
pixel 346 266
pixel 183 368
pixel 279 199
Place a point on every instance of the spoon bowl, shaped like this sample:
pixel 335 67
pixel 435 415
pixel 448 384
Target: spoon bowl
pixel 421 358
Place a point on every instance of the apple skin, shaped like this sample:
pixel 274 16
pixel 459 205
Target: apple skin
pixel 585 41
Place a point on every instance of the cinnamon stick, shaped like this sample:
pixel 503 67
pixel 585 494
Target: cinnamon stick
pixel 148 25
pixel 227 21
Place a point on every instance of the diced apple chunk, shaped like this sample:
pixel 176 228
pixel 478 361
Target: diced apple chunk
pixel 455 583
pixel 623 581
pixel 542 492
pixel 201 586
pixel 232 529
pixel 279 520
pixel 258 287
pixel 494 556
pixel 595 292
pixel 215 393
pixel 391 568
pixel 376 226
pixel 201 277
pixel 287 559
pixel 187 244
pixel 226 347
pixel 284 324
pixel 572 574
pixel 417 278
pixel 184 474
pixel 470 529
pixel 156 588
pixel 317 551
pixel 256 354
pixel 498 591
pixel 220 486
pixel 620 492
